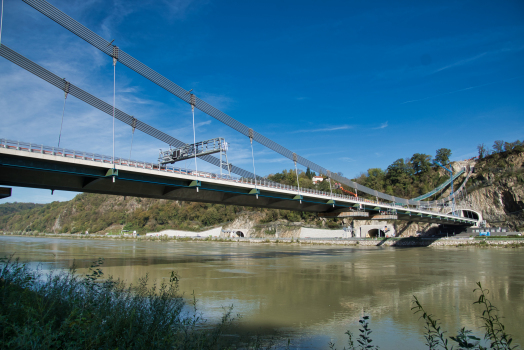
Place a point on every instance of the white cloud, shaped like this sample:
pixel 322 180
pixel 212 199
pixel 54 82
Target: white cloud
pixel 460 62
pixel 464 89
pixel 382 126
pixel 329 128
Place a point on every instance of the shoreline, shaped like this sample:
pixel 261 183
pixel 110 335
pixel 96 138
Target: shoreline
pixel 352 242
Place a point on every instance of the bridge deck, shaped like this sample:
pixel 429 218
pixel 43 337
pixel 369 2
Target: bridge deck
pixel 37 166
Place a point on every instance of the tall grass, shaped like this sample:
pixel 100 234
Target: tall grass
pixel 65 310
pixel 495 335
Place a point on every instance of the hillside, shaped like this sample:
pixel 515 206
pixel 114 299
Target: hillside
pixel 497 188
pixel 12 208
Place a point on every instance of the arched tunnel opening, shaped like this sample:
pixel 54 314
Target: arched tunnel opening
pixel 470 214
pixel 375 232
pixel 240 233
pixel 467 214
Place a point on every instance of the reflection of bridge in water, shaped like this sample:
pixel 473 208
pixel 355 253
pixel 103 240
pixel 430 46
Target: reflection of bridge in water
pixel 44 167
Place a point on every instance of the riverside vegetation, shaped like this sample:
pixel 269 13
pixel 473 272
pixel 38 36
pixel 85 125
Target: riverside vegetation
pixel 65 310
pixel 405 178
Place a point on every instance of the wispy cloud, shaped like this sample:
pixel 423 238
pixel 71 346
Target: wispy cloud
pixel 465 89
pixel 382 126
pixel 346 159
pixel 207 122
pixel 308 155
pixel 460 62
pixel 330 128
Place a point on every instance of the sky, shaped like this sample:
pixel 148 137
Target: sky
pixel 348 85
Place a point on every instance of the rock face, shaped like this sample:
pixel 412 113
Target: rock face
pixel 497 190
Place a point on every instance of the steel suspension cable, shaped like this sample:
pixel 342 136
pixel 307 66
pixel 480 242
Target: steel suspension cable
pixel 132 137
pixel 192 101
pixel 66 91
pixel 253 156
pixel 114 103
pixel 97 41
pixel 82 95
pixel 296 172
pixel 1 22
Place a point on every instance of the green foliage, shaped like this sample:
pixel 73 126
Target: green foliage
pixel 483 151
pixel 421 163
pixel 498 146
pixel 405 178
pixel 100 213
pixel 310 174
pixel 495 333
pixel 364 339
pixel 495 330
pixel 64 310
pixel 11 208
pixel 333 224
pixel 270 231
pixel 509 146
pixel 443 155
pixel 434 334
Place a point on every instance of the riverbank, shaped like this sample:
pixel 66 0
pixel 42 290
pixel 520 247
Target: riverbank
pixel 309 293
pixel 500 242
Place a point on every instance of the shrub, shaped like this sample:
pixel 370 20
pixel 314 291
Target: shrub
pixel 495 334
pixel 69 311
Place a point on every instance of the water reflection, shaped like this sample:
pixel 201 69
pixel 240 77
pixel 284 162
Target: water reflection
pixel 311 292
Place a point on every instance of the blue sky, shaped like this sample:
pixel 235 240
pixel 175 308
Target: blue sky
pixel 348 85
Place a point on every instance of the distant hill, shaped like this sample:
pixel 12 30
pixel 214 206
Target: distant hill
pixel 11 208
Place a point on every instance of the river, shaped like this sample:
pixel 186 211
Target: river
pixel 311 294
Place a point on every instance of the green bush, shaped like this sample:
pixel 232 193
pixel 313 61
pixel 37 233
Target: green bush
pixel 64 310
pixel 495 335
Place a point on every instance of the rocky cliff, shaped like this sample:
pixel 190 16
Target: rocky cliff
pixel 497 189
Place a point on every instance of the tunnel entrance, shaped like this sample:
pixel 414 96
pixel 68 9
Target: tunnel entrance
pixel 375 233
pixel 240 233
pixel 470 214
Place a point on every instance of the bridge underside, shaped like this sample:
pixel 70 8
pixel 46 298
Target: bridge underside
pixel 5 192
pixel 41 171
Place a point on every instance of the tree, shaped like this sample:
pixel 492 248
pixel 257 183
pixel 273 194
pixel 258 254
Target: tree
pixel 482 150
pixel 498 146
pixel 375 179
pixel 421 163
pixel 398 170
pixel 508 146
pixel 443 155
pixel 309 174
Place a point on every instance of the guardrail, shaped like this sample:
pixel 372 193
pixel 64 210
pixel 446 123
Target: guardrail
pixel 100 158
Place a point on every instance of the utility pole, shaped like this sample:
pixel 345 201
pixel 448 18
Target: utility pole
pixel 452 193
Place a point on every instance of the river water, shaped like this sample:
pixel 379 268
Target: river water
pixel 307 293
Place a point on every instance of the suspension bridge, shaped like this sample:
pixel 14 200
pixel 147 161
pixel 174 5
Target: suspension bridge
pixel 39 166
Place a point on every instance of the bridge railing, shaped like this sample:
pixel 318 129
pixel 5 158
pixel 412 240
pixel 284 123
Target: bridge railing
pixel 100 158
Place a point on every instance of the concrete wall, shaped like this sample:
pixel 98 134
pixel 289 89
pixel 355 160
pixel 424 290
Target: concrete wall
pixel 320 233
pixel 215 232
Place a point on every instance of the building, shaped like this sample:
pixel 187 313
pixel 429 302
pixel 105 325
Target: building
pixel 317 179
